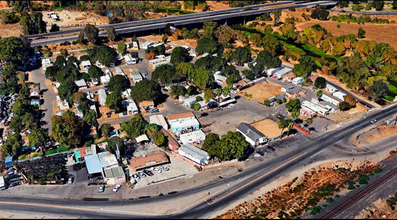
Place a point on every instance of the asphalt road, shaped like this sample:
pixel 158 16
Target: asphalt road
pixel 154 25
pixel 241 184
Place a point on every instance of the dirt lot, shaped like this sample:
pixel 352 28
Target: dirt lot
pixel 341 116
pixel 379 210
pixel 268 127
pixel 157 38
pixel 262 91
pixel 68 18
pixel 376 32
pixel 375 134
pixel 292 199
pixel 8 30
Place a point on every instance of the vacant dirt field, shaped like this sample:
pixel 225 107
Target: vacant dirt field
pixel 375 134
pixel 379 210
pixel 377 32
pixel 8 30
pixel 292 199
pixel 268 127
pixel 262 91
pixel 68 18
pixel 341 116
pixel 213 5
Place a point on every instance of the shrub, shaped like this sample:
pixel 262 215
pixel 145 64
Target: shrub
pixel 315 210
pixel 329 200
pixel 267 102
pixel 338 26
pixel 378 170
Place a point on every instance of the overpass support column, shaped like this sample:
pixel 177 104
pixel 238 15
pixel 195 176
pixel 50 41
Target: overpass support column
pixel 244 21
pixel 226 21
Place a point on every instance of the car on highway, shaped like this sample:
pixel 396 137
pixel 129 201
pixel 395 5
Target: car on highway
pixel 116 188
pixel 101 189
pixel 373 121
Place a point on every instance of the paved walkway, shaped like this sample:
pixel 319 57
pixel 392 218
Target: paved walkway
pixel 49 97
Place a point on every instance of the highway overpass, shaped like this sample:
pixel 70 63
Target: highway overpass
pixel 156 24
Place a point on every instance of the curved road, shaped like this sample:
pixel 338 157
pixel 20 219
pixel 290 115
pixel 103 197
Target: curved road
pixel 243 183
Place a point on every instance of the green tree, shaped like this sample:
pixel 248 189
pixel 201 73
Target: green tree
pixel 320 13
pixel 293 104
pixel 114 101
pixel 146 90
pixel 265 58
pixel 122 48
pixel 256 39
pixel 203 78
pixel 177 91
pixel 24 93
pixel 379 5
pixel 95 72
pixel 38 137
pixel 12 49
pixel 285 124
pixel 305 67
pixel 164 38
pixel 134 127
pixel 54 28
pixel 209 27
pixel 103 54
pixel 105 130
pixel 66 90
pixel 241 55
pixel 210 141
pixel 319 93
pixel 320 82
pixel 90 119
pixel 50 73
pixel 295 113
pixel 118 83
pixel 378 90
pixel 67 129
pixel 277 15
pixel 179 55
pixel 159 138
pixel 231 146
pixel 12 146
pixel 272 44
pixel 91 32
pixel 208 95
pixel 196 106
pixel 344 106
pixel 112 35
pixel 115 142
pixel 210 46
pixel 361 33
pixel 167 74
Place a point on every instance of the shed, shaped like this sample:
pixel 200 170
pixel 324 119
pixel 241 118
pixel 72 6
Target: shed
pixel 158 120
pixel 93 164
pixel 193 153
pixel 102 97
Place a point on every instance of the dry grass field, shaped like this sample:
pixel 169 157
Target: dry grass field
pixel 262 91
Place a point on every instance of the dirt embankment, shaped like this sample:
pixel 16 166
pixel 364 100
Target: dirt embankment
pixel 380 210
pixel 374 135
pixel 292 199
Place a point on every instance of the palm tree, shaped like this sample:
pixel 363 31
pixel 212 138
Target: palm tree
pixel 282 124
pixel 290 124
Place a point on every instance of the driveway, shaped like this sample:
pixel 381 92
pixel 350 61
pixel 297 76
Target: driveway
pixel 49 97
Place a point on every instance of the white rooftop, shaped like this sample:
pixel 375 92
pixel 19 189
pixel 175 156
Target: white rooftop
pixel 102 97
pixel 191 137
pixel 158 120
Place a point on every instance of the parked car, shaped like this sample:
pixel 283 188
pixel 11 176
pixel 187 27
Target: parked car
pixel 154 110
pixel 156 169
pixel 102 188
pixel 135 176
pixel 230 106
pixel 164 168
pixel 70 179
pixel 147 172
pixel 116 188
pixel 142 175
pixel 15 184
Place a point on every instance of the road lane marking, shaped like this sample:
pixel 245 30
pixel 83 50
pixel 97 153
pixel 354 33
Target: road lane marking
pixel 49 206
pixel 370 151
pixel 256 179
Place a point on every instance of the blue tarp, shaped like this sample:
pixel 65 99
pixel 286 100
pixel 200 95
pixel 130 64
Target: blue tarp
pixel 8 161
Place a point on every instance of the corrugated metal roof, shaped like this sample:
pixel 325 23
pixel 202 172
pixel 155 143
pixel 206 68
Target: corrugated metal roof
pixel 93 164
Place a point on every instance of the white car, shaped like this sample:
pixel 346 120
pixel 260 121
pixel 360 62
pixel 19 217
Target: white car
pixel 156 169
pixel 230 106
pixel 116 188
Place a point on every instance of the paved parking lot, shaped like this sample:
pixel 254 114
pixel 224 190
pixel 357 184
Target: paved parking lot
pixel 178 168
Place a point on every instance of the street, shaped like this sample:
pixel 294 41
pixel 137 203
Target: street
pixel 240 185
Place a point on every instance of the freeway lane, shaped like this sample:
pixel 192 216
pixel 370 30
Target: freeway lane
pixel 166 19
pixel 257 176
pixel 181 22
